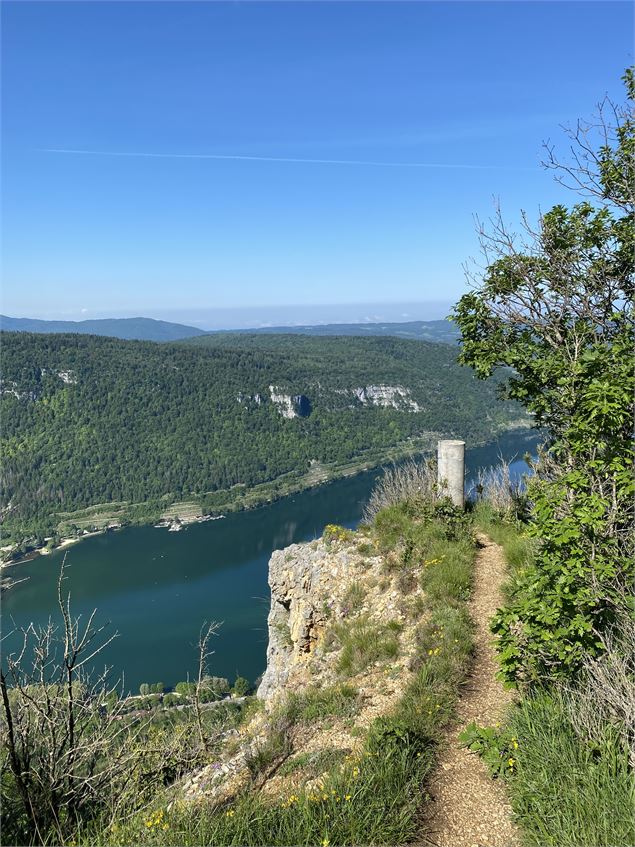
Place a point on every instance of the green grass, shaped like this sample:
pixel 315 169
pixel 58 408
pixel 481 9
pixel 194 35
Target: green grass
pixel 354 597
pixel 519 549
pixel 446 572
pixel 282 628
pixel 315 763
pixel 373 800
pixel 568 791
pixel 275 748
pixel 363 642
pixel 316 703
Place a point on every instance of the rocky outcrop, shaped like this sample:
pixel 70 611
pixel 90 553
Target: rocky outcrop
pixel 392 396
pixel 300 406
pixel 290 405
pixel 297 615
pixel 321 593
pixel 9 387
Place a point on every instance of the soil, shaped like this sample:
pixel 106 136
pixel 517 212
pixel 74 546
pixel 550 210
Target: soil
pixel 467 807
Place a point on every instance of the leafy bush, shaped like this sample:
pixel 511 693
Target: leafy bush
pixel 497 747
pixel 557 313
pixel 241 687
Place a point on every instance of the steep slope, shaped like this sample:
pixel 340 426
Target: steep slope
pixel 90 420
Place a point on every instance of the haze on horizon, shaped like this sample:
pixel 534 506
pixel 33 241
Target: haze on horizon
pixel 228 165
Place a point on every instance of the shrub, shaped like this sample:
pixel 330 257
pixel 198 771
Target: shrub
pixel 555 309
pixel 410 482
pixel 505 498
pixel 333 534
pixel 497 747
pixel 241 687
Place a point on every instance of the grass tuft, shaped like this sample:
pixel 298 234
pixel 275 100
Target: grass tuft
pixel 567 791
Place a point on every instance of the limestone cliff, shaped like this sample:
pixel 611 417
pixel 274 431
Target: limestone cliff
pixel 299 578
pixel 342 626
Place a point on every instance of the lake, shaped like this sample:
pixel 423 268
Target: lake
pixel 156 588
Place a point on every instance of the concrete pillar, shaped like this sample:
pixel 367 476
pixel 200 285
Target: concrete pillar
pixel 451 470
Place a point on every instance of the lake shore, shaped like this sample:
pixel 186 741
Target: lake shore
pixel 180 515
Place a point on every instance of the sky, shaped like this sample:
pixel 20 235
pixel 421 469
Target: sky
pixel 236 164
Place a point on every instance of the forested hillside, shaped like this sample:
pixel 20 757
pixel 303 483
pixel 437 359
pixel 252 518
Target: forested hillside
pixel 89 420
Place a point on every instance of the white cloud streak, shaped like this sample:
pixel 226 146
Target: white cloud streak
pixel 284 159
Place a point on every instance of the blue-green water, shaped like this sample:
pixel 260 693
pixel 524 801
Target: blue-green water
pixel 157 587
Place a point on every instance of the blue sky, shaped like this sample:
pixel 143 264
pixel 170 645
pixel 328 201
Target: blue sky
pixel 455 98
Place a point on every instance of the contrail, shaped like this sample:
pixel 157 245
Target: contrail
pixel 224 157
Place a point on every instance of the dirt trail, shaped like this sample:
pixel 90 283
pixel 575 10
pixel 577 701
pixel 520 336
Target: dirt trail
pixel 468 808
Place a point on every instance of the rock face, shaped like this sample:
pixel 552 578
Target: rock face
pixel 320 592
pixel 290 405
pixel 297 615
pixel 393 396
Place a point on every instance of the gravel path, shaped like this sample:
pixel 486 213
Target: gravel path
pixel 468 808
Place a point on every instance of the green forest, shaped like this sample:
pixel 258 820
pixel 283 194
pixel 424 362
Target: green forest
pixel 92 420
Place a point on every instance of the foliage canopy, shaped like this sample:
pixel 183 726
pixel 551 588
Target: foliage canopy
pixel 556 306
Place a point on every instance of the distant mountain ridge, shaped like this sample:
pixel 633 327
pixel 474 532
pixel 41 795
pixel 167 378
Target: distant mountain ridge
pixel 439 331
pixel 149 329
pixel 128 329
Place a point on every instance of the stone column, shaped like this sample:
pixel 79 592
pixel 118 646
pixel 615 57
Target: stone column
pixel 451 470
